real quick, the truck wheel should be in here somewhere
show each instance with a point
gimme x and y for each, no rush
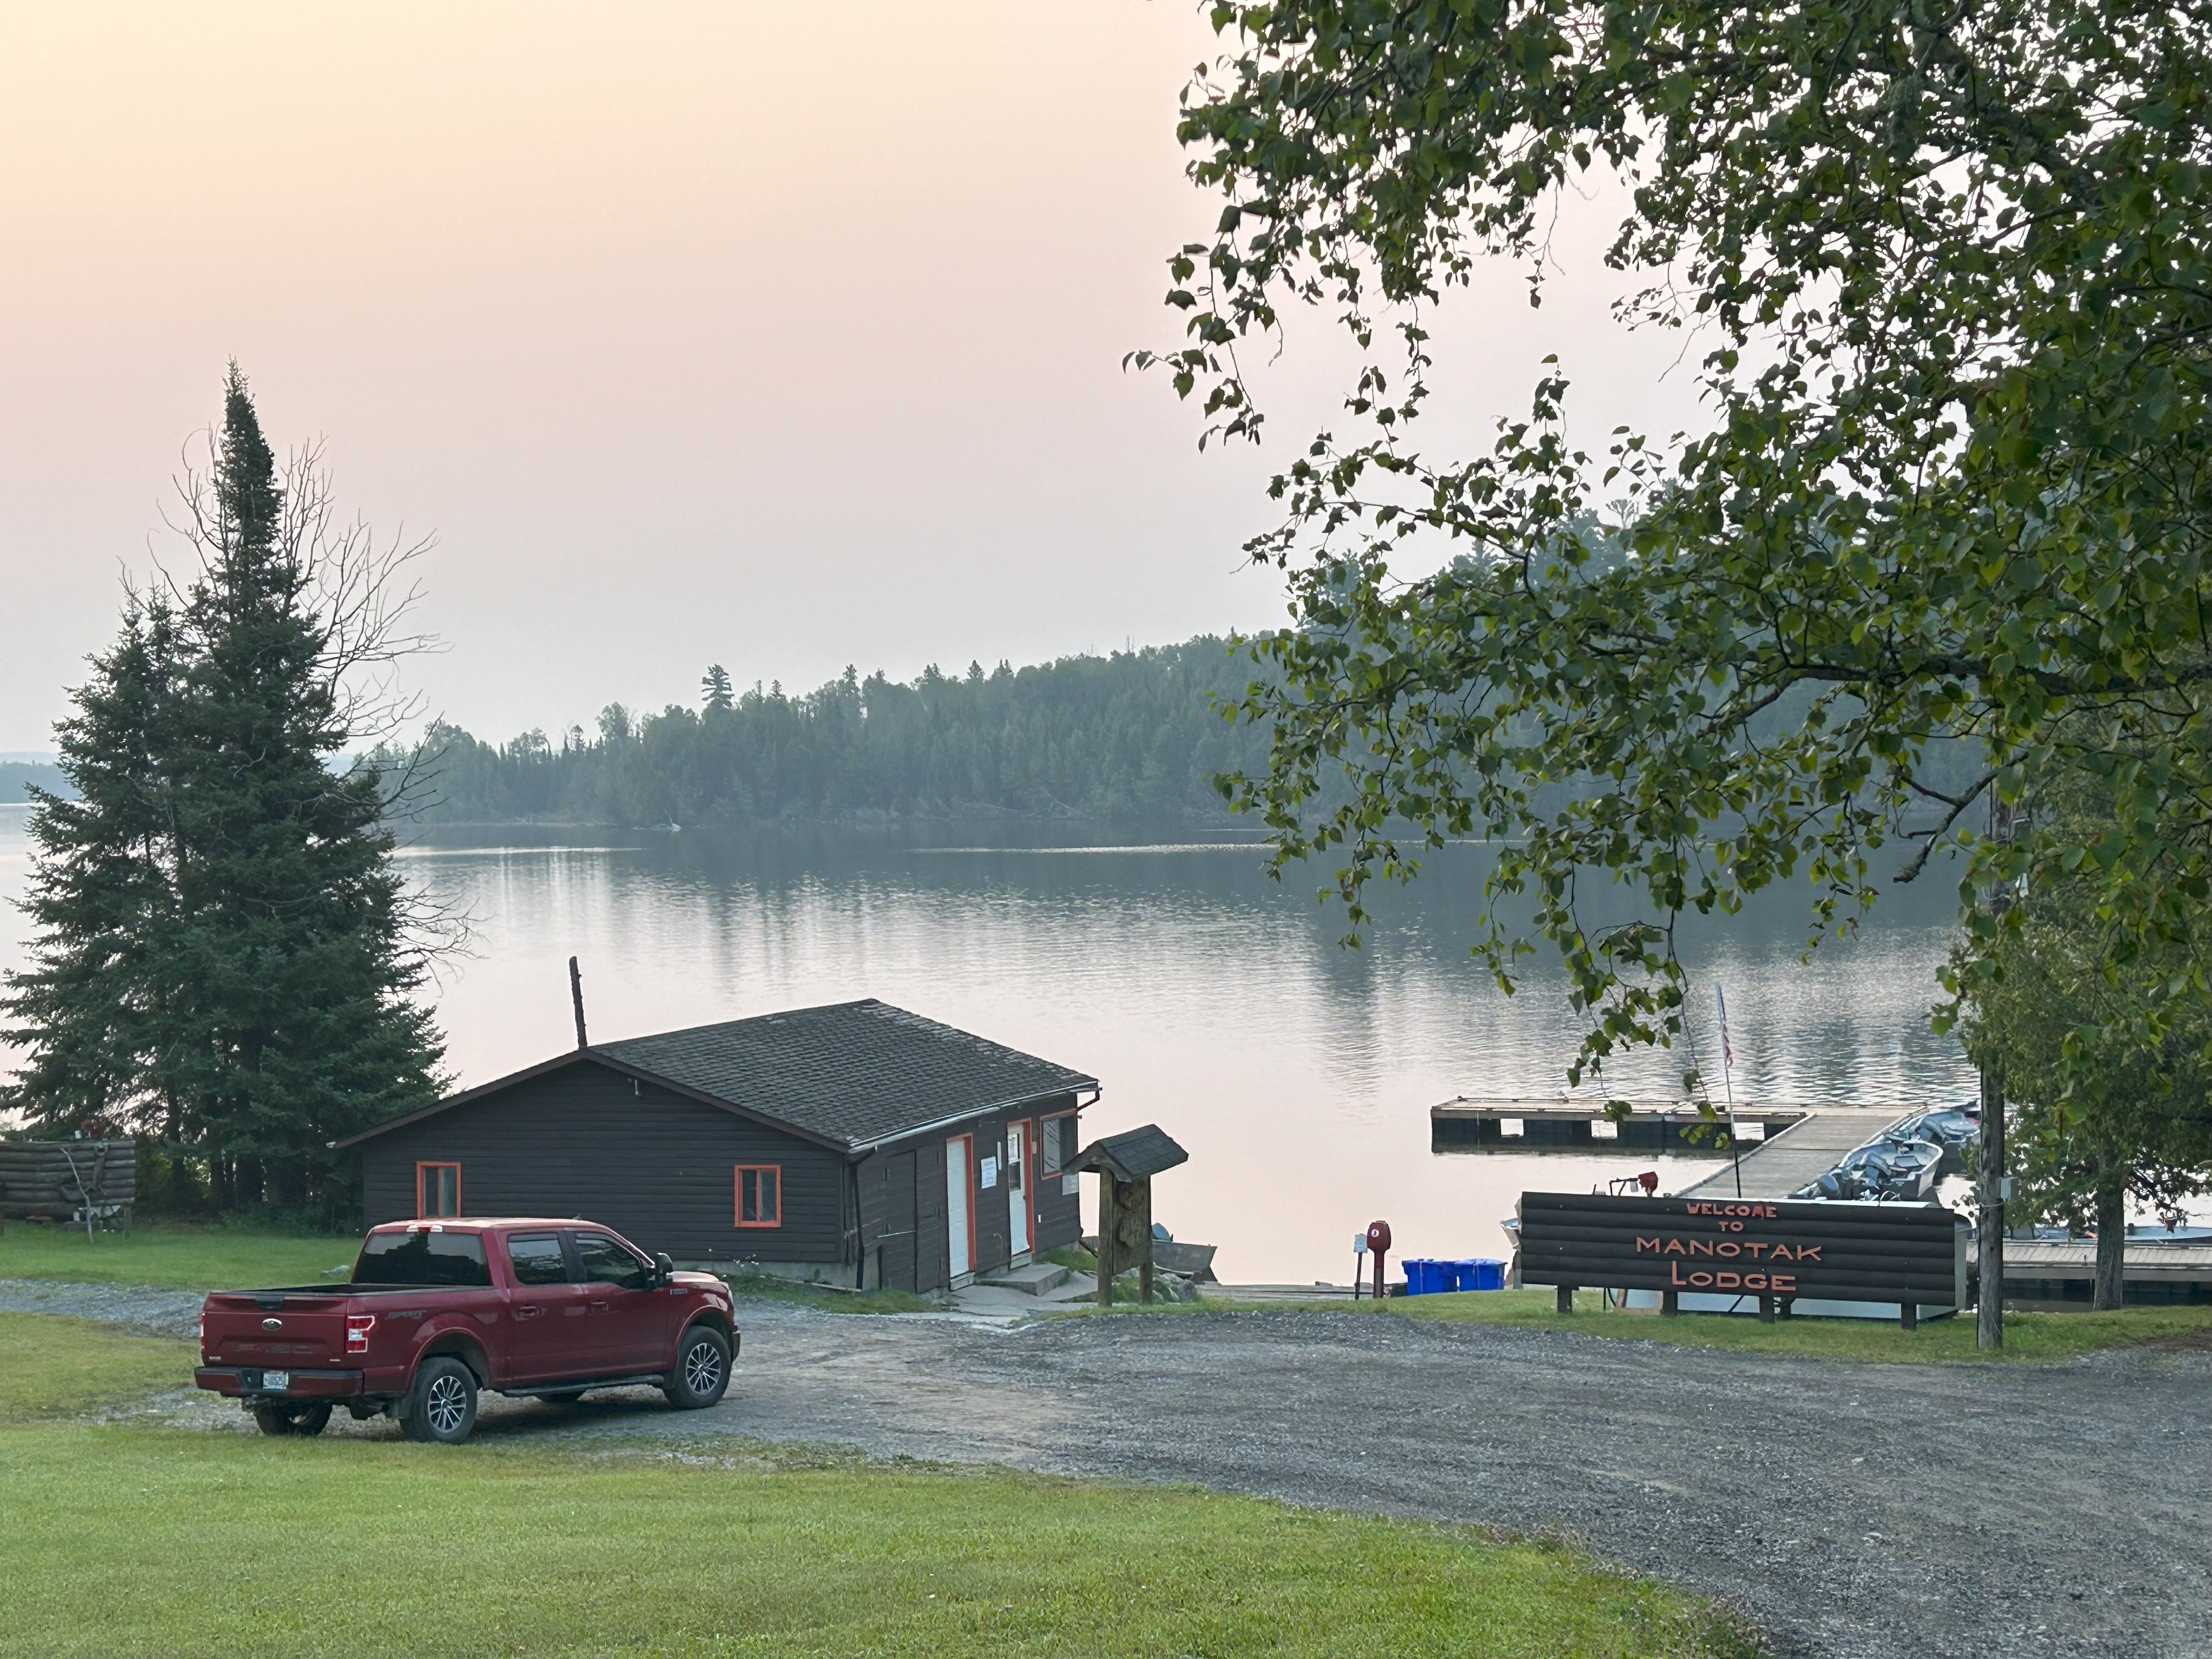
(703, 1369)
(273, 1417)
(442, 1404)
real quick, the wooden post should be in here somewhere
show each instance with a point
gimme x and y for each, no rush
(1766, 1310)
(1989, 1224)
(1137, 1234)
(1109, 1219)
(1566, 1300)
(1788, 1303)
(1908, 1315)
(1670, 1303)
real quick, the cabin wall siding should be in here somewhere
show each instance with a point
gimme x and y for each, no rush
(657, 1167)
(932, 1214)
(1058, 1215)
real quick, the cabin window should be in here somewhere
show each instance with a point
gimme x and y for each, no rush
(1059, 1145)
(437, 1189)
(760, 1196)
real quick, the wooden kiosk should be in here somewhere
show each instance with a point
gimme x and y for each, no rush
(1125, 1165)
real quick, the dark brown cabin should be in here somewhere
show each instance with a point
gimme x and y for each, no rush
(856, 1144)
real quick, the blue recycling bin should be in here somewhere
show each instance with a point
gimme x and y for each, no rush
(1482, 1273)
(1420, 1276)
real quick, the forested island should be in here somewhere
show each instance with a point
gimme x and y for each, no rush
(1135, 732)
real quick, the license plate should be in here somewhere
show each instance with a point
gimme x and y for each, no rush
(276, 1382)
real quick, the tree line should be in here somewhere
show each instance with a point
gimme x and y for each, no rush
(1133, 733)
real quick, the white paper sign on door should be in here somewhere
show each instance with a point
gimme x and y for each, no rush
(990, 1172)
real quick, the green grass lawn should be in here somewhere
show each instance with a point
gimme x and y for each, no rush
(134, 1540)
(53, 1367)
(2029, 1336)
(180, 1258)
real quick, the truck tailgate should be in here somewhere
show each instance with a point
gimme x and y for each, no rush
(281, 1329)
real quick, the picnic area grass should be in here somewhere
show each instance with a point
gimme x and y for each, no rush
(2028, 1336)
(184, 1258)
(226, 1544)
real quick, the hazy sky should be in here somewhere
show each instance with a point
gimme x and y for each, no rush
(781, 336)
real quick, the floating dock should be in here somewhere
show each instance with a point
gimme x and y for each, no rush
(1468, 1124)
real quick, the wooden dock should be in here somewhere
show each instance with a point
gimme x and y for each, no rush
(2060, 1272)
(1804, 1151)
(1506, 1125)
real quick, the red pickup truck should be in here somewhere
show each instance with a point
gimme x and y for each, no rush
(438, 1311)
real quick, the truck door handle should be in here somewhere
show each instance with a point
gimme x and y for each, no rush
(598, 1307)
(528, 1310)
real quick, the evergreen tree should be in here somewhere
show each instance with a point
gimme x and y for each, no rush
(223, 952)
(716, 685)
(89, 1006)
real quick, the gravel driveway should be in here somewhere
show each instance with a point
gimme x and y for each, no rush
(1856, 1509)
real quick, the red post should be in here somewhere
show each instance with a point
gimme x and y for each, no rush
(1378, 1247)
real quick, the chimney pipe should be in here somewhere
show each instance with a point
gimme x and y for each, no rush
(576, 996)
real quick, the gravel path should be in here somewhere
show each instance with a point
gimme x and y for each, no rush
(1856, 1510)
(166, 1313)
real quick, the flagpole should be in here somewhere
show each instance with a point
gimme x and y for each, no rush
(1728, 1082)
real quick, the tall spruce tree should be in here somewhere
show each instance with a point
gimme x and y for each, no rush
(223, 951)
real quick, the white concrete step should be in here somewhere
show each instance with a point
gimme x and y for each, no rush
(1036, 1279)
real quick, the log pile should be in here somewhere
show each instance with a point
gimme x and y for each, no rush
(57, 1179)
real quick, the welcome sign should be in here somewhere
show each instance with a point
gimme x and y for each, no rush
(1893, 1253)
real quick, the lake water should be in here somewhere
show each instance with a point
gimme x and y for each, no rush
(1206, 997)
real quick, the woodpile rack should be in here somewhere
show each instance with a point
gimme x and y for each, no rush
(86, 1182)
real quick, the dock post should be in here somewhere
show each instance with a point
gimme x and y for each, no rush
(1908, 1315)
(1766, 1310)
(1670, 1303)
(1566, 1298)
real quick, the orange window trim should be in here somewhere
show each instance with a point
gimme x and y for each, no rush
(422, 1187)
(738, 1206)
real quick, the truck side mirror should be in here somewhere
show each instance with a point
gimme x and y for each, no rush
(663, 1266)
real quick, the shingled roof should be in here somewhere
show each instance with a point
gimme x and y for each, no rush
(853, 1071)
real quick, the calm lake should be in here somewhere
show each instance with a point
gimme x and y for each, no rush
(1208, 998)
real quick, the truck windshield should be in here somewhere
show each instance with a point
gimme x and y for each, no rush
(419, 1256)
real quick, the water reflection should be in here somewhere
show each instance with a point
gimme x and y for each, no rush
(1208, 997)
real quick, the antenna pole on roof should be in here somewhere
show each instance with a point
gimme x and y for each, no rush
(576, 996)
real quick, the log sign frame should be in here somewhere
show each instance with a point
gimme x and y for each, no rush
(1846, 1252)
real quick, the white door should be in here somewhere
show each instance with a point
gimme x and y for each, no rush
(957, 1227)
(1018, 1188)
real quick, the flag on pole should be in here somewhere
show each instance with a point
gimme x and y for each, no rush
(1727, 1082)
